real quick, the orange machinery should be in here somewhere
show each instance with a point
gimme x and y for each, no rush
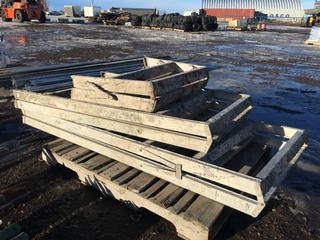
(22, 10)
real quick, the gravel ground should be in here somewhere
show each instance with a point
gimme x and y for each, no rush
(275, 67)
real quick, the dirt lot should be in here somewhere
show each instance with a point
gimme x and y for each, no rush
(275, 67)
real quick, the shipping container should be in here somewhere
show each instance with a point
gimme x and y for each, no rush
(236, 14)
(72, 11)
(91, 11)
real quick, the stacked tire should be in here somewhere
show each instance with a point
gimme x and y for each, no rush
(156, 21)
(146, 20)
(136, 21)
(209, 23)
(177, 21)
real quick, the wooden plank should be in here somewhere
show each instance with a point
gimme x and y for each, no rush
(115, 171)
(111, 113)
(127, 86)
(172, 83)
(151, 72)
(227, 118)
(76, 153)
(85, 157)
(231, 140)
(161, 197)
(162, 156)
(67, 149)
(233, 152)
(99, 96)
(154, 189)
(173, 197)
(204, 210)
(60, 145)
(141, 182)
(96, 162)
(113, 99)
(277, 168)
(102, 168)
(174, 138)
(184, 201)
(190, 107)
(248, 158)
(179, 93)
(56, 144)
(128, 176)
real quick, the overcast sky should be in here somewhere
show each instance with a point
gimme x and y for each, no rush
(168, 5)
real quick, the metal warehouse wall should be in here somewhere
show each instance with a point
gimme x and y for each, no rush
(274, 8)
(231, 13)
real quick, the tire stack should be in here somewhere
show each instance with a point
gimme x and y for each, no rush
(209, 23)
(156, 21)
(169, 20)
(146, 20)
(177, 21)
(197, 23)
(136, 21)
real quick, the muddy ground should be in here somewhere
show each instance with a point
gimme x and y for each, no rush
(275, 67)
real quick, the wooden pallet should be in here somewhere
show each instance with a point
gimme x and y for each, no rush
(159, 84)
(167, 29)
(234, 28)
(197, 123)
(164, 29)
(194, 216)
(155, 28)
(179, 30)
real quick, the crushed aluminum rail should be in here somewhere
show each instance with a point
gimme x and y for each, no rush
(176, 125)
(238, 191)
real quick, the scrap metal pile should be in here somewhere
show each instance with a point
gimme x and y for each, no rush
(52, 78)
(17, 141)
(177, 21)
(158, 139)
(21, 143)
(114, 18)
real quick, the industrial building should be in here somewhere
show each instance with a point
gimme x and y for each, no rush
(275, 9)
(315, 10)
